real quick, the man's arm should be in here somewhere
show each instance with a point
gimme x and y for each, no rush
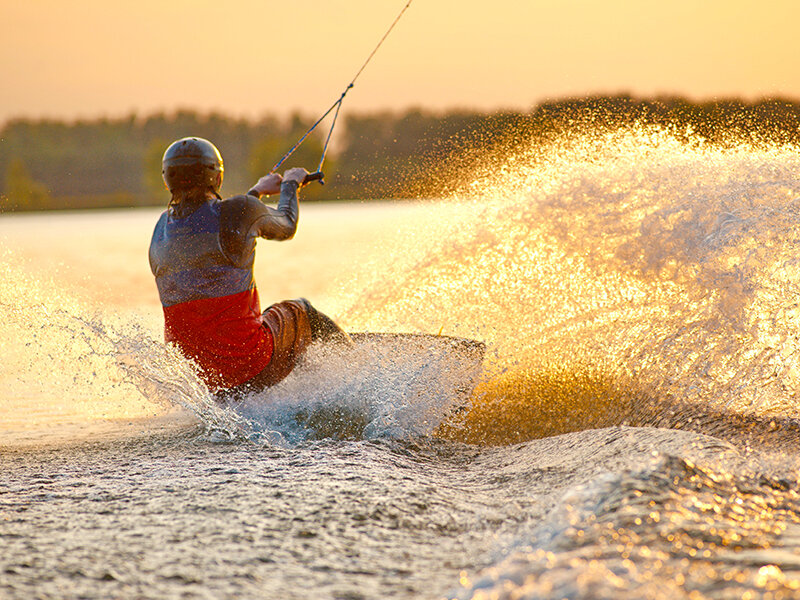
(278, 223)
(244, 218)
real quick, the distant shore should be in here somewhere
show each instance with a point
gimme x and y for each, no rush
(107, 163)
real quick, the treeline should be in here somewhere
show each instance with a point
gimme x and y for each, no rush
(48, 164)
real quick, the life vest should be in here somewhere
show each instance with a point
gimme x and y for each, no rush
(210, 302)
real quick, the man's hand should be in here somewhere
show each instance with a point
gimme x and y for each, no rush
(297, 174)
(268, 184)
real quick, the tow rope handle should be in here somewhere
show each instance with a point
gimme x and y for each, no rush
(316, 176)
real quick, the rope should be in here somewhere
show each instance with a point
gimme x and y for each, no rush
(338, 104)
(330, 133)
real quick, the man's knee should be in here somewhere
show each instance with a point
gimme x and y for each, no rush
(305, 304)
(323, 328)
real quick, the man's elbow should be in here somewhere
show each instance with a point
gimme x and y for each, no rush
(286, 233)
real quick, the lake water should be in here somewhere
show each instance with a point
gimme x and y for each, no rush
(633, 433)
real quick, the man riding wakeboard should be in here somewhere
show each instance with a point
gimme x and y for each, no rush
(202, 254)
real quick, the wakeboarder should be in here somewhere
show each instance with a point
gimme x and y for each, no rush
(202, 254)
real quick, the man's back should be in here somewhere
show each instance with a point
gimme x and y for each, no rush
(203, 265)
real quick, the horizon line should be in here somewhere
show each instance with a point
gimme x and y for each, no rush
(143, 115)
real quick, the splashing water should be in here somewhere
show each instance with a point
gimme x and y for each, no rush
(70, 365)
(68, 369)
(625, 277)
(385, 386)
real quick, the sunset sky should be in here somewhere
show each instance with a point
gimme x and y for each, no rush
(89, 58)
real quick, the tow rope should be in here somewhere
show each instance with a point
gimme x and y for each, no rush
(318, 175)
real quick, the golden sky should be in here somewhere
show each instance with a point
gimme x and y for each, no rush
(88, 58)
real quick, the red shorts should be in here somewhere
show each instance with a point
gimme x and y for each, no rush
(289, 325)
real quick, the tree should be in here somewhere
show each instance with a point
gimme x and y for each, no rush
(22, 192)
(151, 168)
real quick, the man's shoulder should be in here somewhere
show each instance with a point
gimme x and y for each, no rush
(240, 202)
(237, 213)
(162, 219)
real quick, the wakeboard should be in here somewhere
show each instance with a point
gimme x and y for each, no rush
(460, 358)
(437, 372)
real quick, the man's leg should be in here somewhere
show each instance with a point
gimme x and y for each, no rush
(323, 328)
(294, 325)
